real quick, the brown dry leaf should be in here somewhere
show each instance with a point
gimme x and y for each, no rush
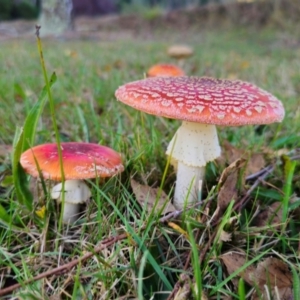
(234, 261)
(256, 161)
(272, 215)
(229, 154)
(182, 289)
(228, 183)
(146, 195)
(276, 276)
(225, 236)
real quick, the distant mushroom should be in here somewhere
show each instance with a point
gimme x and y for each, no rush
(80, 161)
(165, 70)
(201, 103)
(180, 52)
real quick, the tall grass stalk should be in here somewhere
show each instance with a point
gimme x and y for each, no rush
(55, 127)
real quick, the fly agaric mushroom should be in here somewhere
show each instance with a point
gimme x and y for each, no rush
(80, 161)
(165, 70)
(180, 52)
(201, 103)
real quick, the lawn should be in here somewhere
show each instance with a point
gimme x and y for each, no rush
(121, 248)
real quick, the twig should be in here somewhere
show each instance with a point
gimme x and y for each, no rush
(262, 171)
(239, 205)
(64, 268)
(257, 174)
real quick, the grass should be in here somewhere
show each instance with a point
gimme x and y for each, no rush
(154, 257)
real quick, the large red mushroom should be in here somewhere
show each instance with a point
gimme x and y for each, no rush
(201, 103)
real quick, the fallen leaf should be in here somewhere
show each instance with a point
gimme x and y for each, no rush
(225, 236)
(270, 277)
(271, 215)
(179, 229)
(274, 274)
(147, 196)
(255, 161)
(182, 288)
(228, 184)
(234, 261)
(41, 212)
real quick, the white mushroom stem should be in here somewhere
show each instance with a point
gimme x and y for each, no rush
(188, 184)
(76, 192)
(190, 149)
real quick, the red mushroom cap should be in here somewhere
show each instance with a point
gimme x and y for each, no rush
(165, 70)
(203, 100)
(80, 160)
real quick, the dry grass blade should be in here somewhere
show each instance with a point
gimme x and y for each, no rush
(66, 267)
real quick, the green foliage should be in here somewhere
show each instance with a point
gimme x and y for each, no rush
(24, 10)
(241, 289)
(24, 196)
(17, 10)
(24, 139)
(5, 9)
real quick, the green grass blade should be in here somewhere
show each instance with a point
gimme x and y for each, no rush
(141, 274)
(24, 196)
(241, 289)
(24, 138)
(289, 170)
(140, 241)
(296, 284)
(31, 121)
(195, 263)
(4, 216)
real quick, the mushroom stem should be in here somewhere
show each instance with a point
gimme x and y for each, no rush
(71, 211)
(76, 192)
(188, 185)
(190, 149)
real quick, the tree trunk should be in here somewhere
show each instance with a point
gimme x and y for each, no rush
(56, 17)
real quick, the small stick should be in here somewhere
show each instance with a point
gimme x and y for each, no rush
(64, 268)
(240, 204)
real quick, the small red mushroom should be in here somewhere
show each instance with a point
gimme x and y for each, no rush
(80, 161)
(201, 103)
(165, 70)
